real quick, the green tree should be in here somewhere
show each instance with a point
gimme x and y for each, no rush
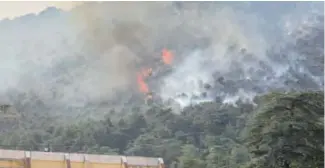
(190, 157)
(288, 129)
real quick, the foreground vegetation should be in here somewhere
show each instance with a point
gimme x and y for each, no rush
(282, 130)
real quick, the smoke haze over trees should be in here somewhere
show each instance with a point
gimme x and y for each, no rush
(216, 103)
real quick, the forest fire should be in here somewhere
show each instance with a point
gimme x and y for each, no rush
(167, 58)
(143, 87)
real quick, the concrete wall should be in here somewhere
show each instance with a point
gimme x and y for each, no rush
(20, 159)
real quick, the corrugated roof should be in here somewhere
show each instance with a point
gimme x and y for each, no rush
(78, 157)
(142, 161)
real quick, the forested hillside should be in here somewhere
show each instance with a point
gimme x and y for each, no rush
(283, 130)
(202, 85)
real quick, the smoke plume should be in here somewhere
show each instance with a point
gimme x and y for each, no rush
(94, 52)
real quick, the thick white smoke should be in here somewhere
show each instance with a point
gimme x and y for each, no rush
(252, 63)
(92, 53)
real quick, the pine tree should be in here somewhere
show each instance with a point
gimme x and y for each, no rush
(288, 128)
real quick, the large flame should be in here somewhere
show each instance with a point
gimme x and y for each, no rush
(167, 56)
(143, 87)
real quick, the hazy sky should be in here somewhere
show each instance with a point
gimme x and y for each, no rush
(9, 9)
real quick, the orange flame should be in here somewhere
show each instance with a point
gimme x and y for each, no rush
(167, 56)
(143, 87)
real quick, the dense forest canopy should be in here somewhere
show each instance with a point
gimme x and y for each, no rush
(219, 94)
(284, 128)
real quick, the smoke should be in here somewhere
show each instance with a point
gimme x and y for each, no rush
(92, 53)
(243, 61)
(143, 29)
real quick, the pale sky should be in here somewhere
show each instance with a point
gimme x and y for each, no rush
(10, 9)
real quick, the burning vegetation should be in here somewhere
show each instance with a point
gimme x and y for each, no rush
(167, 58)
